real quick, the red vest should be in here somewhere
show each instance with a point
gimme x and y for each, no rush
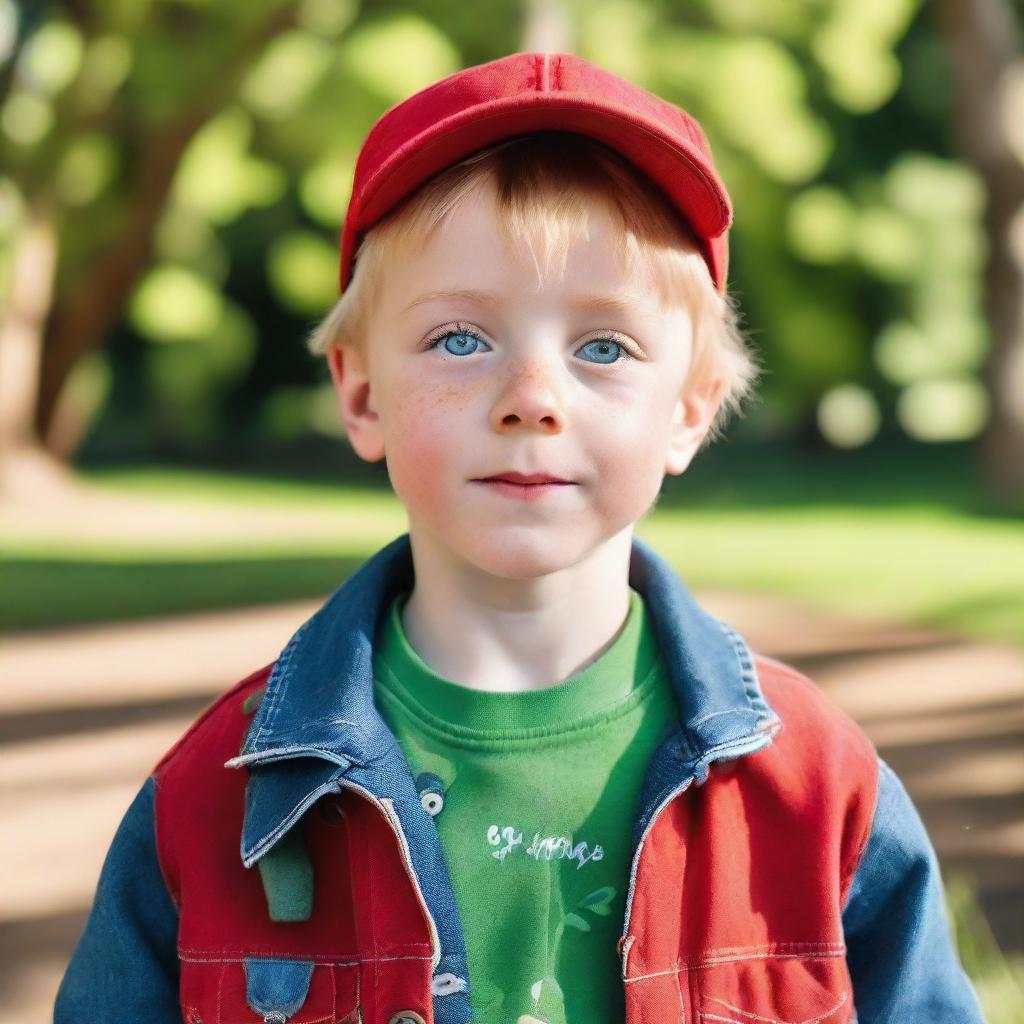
(735, 916)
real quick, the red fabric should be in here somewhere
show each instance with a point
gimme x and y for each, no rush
(526, 92)
(741, 882)
(372, 946)
(736, 914)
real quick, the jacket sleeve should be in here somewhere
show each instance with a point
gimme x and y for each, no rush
(125, 965)
(900, 950)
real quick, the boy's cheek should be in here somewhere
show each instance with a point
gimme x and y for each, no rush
(636, 485)
(422, 458)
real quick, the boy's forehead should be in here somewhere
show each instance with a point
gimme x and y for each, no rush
(612, 303)
(467, 258)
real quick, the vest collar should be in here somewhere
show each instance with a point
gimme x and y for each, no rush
(318, 722)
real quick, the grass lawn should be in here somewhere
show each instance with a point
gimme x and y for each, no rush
(848, 531)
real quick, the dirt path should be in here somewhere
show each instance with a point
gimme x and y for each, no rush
(86, 712)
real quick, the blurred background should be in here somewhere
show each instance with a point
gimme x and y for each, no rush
(176, 493)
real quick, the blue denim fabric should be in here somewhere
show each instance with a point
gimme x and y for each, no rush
(276, 987)
(318, 730)
(125, 966)
(898, 944)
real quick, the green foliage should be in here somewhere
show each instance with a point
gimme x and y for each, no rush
(303, 269)
(400, 55)
(857, 248)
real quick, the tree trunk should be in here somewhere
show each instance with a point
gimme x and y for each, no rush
(83, 314)
(982, 38)
(27, 471)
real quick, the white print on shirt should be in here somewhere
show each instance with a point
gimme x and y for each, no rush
(546, 848)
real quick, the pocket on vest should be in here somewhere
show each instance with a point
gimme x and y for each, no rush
(275, 990)
(786, 986)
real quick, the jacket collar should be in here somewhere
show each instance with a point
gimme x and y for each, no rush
(318, 722)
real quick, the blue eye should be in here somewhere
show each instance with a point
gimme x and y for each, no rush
(460, 347)
(466, 344)
(604, 345)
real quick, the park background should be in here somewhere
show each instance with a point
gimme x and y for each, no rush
(177, 495)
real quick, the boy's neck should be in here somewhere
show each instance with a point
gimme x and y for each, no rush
(499, 634)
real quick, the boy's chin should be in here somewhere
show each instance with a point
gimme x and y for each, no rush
(520, 554)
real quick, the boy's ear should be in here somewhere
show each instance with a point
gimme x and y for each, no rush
(355, 402)
(692, 417)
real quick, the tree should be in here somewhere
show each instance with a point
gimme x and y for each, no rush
(983, 39)
(65, 298)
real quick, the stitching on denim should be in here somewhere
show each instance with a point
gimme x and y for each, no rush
(729, 744)
(715, 714)
(270, 754)
(748, 671)
(772, 1020)
(740, 649)
(682, 1005)
(286, 822)
(276, 694)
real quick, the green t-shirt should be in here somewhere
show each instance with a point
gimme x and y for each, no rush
(534, 796)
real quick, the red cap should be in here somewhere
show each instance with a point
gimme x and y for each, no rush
(528, 92)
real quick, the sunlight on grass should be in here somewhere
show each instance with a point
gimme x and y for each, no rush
(927, 566)
(923, 564)
(998, 979)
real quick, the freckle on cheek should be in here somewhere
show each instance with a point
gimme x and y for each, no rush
(433, 441)
(420, 450)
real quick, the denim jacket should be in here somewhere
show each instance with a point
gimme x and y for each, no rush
(779, 872)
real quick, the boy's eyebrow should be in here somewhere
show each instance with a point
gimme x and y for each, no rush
(596, 302)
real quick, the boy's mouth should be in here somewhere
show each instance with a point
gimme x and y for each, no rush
(524, 479)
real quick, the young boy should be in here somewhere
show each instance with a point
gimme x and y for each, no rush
(511, 771)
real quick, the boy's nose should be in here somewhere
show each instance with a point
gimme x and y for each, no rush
(530, 398)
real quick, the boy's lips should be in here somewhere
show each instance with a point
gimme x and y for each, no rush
(525, 487)
(525, 478)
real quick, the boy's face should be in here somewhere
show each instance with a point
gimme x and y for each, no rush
(529, 379)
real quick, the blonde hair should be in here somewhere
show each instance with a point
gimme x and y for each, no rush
(546, 184)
